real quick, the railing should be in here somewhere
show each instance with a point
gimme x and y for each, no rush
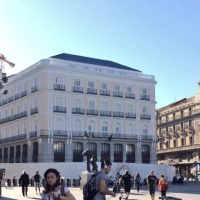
(34, 89)
(78, 110)
(91, 91)
(144, 97)
(105, 113)
(145, 116)
(59, 87)
(17, 96)
(59, 109)
(130, 95)
(34, 110)
(130, 115)
(92, 112)
(23, 93)
(33, 134)
(118, 114)
(77, 89)
(105, 92)
(60, 133)
(13, 138)
(117, 94)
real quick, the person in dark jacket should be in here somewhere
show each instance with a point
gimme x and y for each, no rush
(37, 178)
(24, 181)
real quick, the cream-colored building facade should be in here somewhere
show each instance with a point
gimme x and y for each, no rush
(178, 132)
(56, 108)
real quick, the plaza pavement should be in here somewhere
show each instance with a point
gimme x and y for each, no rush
(190, 190)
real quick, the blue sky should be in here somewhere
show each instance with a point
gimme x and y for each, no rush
(158, 37)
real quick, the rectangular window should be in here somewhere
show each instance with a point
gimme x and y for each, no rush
(144, 91)
(91, 104)
(117, 107)
(104, 105)
(117, 88)
(91, 84)
(77, 83)
(104, 86)
(59, 80)
(129, 89)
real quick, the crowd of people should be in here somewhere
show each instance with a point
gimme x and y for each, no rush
(53, 190)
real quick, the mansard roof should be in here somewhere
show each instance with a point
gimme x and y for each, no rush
(95, 61)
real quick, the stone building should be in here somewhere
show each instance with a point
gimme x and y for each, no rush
(56, 108)
(178, 132)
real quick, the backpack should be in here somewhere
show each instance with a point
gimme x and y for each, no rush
(89, 189)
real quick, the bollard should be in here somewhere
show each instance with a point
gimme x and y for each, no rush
(68, 182)
(62, 181)
(14, 182)
(8, 182)
(32, 182)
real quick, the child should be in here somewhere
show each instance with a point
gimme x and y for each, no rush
(53, 189)
(163, 185)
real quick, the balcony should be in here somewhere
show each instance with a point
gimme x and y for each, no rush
(60, 109)
(13, 138)
(92, 112)
(33, 134)
(59, 87)
(77, 89)
(34, 89)
(145, 97)
(78, 111)
(5, 101)
(10, 99)
(91, 91)
(17, 96)
(16, 116)
(24, 114)
(34, 110)
(145, 116)
(60, 133)
(130, 115)
(23, 93)
(105, 113)
(117, 94)
(130, 95)
(118, 114)
(105, 92)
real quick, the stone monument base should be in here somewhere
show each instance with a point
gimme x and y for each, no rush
(85, 176)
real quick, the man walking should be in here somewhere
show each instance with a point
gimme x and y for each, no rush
(127, 180)
(151, 181)
(102, 181)
(24, 181)
(37, 178)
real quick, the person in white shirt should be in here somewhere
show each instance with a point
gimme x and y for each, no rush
(52, 189)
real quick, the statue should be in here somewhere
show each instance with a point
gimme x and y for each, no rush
(90, 160)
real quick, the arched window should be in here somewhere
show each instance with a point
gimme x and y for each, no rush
(5, 156)
(130, 129)
(35, 152)
(118, 153)
(1, 155)
(59, 151)
(11, 158)
(104, 129)
(77, 152)
(59, 124)
(105, 151)
(24, 153)
(91, 126)
(117, 129)
(18, 154)
(130, 153)
(93, 148)
(145, 154)
(77, 125)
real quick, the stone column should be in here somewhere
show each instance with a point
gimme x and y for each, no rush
(124, 153)
(98, 152)
(138, 152)
(111, 151)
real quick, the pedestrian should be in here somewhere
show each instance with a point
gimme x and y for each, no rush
(24, 181)
(127, 180)
(138, 182)
(151, 181)
(163, 186)
(102, 181)
(37, 179)
(52, 189)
